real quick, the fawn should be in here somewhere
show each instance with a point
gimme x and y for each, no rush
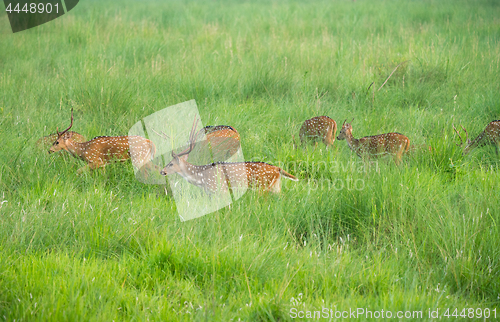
(375, 146)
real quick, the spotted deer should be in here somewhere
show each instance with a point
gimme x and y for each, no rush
(215, 144)
(221, 176)
(319, 128)
(375, 146)
(102, 150)
(490, 136)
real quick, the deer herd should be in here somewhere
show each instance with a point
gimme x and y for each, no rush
(224, 141)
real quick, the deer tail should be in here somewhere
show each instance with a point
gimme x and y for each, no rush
(288, 175)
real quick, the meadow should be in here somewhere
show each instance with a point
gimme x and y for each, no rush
(420, 236)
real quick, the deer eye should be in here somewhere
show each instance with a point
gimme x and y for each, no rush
(57, 142)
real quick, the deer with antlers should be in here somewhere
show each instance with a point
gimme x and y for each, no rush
(490, 136)
(319, 128)
(102, 150)
(375, 146)
(221, 176)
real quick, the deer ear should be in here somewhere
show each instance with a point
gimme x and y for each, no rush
(184, 157)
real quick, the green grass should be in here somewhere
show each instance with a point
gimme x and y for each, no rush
(102, 246)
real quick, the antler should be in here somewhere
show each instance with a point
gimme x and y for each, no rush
(191, 140)
(344, 122)
(57, 129)
(162, 135)
(461, 140)
(466, 135)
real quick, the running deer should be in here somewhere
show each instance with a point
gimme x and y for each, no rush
(215, 144)
(319, 128)
(102, 150)
(220, 176)
(48, 140)
(490, 136)
(375, 146)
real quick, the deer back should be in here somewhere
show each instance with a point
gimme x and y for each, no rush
(388, 143)
(259, 175)
(106, 148)
(319, 128)
(492, 132)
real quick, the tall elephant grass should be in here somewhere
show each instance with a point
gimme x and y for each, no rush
(350, 234)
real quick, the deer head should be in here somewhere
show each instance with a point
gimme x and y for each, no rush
(62, 138)
(346, 128)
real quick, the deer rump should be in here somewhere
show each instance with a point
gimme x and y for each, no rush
(318, 129)
(221, 143)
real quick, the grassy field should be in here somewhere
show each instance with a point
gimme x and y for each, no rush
(103, 246)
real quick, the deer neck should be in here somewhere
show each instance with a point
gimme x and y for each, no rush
(193, 174)
(477, 142)
(76, 149)
(351, 141)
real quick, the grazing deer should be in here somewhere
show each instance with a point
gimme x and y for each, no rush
(48, 140)
(103, 149)
(215, 143)
(490, 136)
(375, 146)
(319, 128)
(219, 176)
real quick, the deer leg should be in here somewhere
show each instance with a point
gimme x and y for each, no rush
(402, 150)
(275, 186)
(92, 166)
(397, 156)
